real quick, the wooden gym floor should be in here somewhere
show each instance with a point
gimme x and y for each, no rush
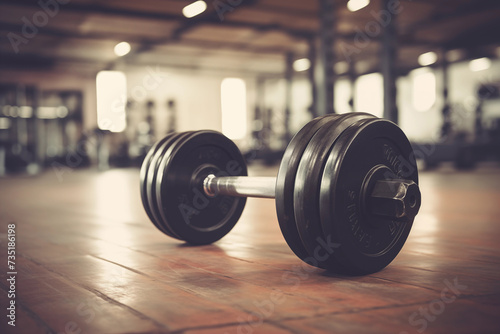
(89, 261)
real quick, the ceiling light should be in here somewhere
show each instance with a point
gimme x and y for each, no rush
(454, 55)
(301, 64)
(341, 67)
(480, 64)
(354, 5)
(194, 9)
(427, 58)
(122, 48)
(362, 66)
(4, 123)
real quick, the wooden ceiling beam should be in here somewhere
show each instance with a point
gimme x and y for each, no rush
(92, 8)
(465, 9)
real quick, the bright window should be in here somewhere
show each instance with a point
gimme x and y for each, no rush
(369, 95)
(234, 108)
(342, 96)
(424, 89)
(111, 100)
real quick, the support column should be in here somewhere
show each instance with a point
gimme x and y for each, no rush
(388, 65)
(446, 127)
(258, 135)
(313, 109)
(39, 154)
(327, 57)
(288, 97)
(352, 81)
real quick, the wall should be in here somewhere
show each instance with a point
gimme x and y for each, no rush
(47, 80)
(462, 93)
(197, 95)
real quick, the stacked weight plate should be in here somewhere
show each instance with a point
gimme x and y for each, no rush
(171, 185)
(322, 190)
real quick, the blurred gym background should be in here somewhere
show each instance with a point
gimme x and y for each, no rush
(96, 83)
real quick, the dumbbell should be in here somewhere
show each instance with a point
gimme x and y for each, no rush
(346, 191)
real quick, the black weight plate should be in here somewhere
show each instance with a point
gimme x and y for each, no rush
(153, 170)
(164, 154)
(143, 175)
(367, 243)
(184, 207)
(285, 183)
(307, 185)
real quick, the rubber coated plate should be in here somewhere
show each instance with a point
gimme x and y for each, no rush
(144, 175)
(307, 185)
(152, 174)
(184, 207)
(367, 243)
(164, 154)
(285, 183)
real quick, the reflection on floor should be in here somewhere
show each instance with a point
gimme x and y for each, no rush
(89, 261)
